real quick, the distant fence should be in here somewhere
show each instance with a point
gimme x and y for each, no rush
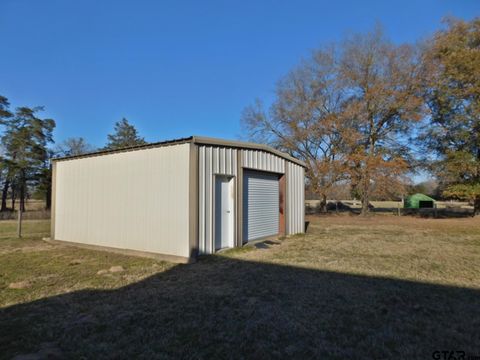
(27, 215)
(449, 212)
(442, 209)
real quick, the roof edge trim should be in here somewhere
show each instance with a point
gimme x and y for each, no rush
(127, 149)
(199, 140)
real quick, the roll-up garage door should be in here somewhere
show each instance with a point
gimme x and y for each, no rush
(260, 205)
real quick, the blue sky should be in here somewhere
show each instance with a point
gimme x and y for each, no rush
(177, 68)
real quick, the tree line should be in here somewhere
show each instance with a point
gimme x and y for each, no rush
(368, 113)
(26, 151)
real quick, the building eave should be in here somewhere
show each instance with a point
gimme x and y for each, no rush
(198, 140)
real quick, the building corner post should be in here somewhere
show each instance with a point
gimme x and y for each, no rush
(53, 201)
(193, 202)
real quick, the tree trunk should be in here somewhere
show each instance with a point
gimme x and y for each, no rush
(22, 198)
(365, 203)
(367, 177)
(48, 198)
(13, 199)
(5, 195)
(323, 203)
(366, 194)
(476, 206)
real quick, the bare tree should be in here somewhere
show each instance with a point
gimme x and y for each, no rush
(346, 111)
(74, 146)
(385, 83)
(304, 120)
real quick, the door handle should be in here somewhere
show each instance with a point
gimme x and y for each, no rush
(228, 211)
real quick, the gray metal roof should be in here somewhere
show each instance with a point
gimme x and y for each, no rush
(201, 140)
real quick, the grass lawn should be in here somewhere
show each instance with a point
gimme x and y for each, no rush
(359, 288)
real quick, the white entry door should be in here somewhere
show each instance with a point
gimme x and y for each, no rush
(224, 212)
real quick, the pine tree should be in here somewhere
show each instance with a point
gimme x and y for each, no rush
(125, 135)
(25, 140)
(5, 115)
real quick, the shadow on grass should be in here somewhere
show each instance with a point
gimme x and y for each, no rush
(227, 308)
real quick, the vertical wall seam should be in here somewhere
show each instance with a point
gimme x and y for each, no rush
(239, 199)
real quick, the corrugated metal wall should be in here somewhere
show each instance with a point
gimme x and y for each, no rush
(295, 198)
(136, 200)
(261, 160)
(223, 160)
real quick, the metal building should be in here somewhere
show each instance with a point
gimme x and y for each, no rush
(177, 199)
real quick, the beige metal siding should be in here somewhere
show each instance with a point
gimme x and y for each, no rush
(223, 160)
(136, 200)
(295, 199)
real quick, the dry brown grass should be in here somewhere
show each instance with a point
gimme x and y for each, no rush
(378, 287)
(441, 251)
(34, 205)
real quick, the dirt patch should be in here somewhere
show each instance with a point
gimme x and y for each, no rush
(25, 249)
(75, 262)
(116, 269)
(20, 285)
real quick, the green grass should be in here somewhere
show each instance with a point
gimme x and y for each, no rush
(380, 287)
(42, 269)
